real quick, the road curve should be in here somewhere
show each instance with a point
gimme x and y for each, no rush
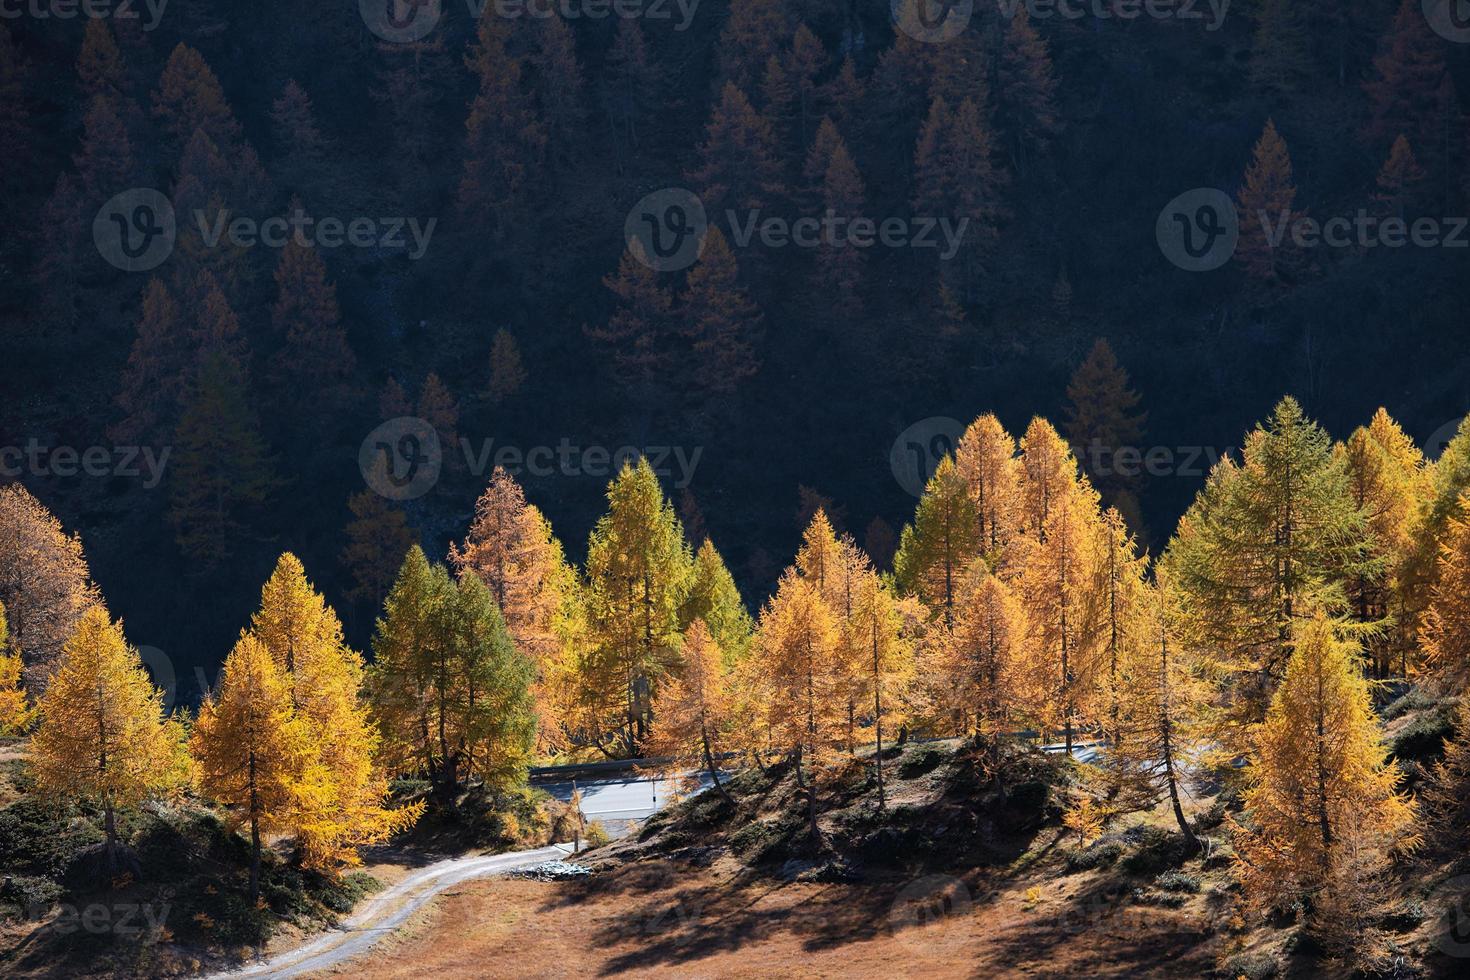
(386, 912)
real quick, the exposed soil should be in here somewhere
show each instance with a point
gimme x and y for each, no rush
(663, 918)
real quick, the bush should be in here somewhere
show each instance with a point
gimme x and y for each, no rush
(920, 762)
(28, 896)
(1177, 881)
(39, 839)
(343, 894)
(1100, 855)
(1253, 966)
(1157, 851)
(762, 841)
(1412, 700)
(1423, 739)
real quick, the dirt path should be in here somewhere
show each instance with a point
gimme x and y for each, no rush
(387, 911)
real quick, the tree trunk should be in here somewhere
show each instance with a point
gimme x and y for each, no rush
(254, 859)
(714, 773)
(109, 824)
(878, 716)
(254, 835)
(1168, 745)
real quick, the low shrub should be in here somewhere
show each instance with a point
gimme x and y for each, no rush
(1157, 850)
(1253, 966)
(1423, 739)
(1177, 881)
(1100, 855)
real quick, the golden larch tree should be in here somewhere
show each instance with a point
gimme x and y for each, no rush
(1048, 468)
(346, 808)
(15, 712)
(1323, 813)
(44, 582)
(986, 459)
(252, 754)
(1265, 210)
(510, 546)
(1447, 621)
(103, 736)
(1390, 484)
(692, 712)
(1159, 731)
(985, 665)
(1059, 584)
(881, 658)
(798, 654)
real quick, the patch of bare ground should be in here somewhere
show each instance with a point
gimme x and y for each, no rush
(667, 918)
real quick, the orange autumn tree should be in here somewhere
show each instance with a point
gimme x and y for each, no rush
(1447, 622)
(1047, 469)
(44, 582)
(1389, 482)
(693, 709)
(1059, 585)
(985, 664)
(103, 736)
(1323, 813)
(879, 656)
(510, 546)
(1160, 728)
(15, 713)
(345, 808)
(252, 754)
(986, 459)
(797, 653)
(1265, 204)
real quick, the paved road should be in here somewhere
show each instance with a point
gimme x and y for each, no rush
(387, 911)
(620, 798)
